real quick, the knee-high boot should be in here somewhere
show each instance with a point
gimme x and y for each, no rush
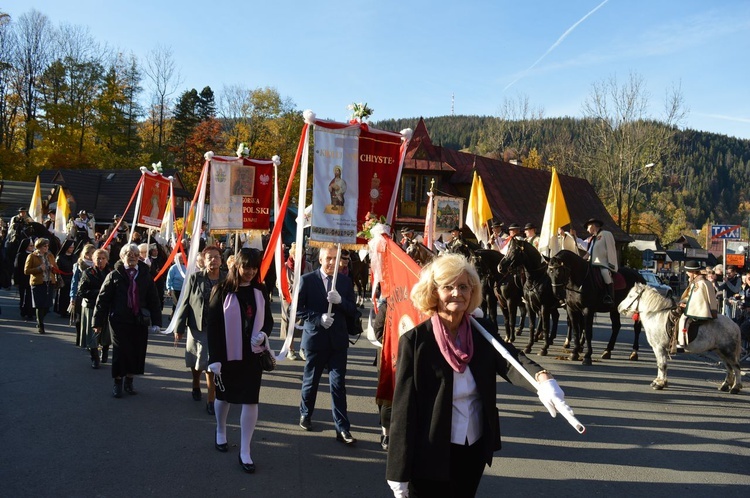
(40, 313)
(105, 354)
(609, 297)
(94, 358)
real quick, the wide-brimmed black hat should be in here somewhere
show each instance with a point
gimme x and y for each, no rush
(407, 230)
(514, 226)
(455, 229)
(529, 226)
(82, 211)
(116, 216)
(22, 209)
(693, 265)
(593, 221)
(497, 224)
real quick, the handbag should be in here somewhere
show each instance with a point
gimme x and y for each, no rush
(144, 317)
(267, 361)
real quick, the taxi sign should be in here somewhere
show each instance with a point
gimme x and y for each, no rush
(725, 231)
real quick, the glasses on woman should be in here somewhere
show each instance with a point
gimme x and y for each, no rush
(461, 288)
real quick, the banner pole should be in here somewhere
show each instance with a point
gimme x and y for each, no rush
(572, 420)
(335, 274)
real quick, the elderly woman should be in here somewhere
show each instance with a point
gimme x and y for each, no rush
(192, 316)
(41, 267)
(239, 321)
(128, 299)
(444, 422)
(88, 290)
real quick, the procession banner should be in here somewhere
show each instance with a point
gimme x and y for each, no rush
(449, 212)
(153, 201)
(241, 194)
(429, 223)
(356, 172)
(400, 274)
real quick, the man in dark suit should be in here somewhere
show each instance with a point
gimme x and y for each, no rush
(325, 339)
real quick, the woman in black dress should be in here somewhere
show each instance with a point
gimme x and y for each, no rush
(240, 319)
(88, 290)
(65, 262)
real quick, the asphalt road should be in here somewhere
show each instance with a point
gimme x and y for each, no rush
(63, 434)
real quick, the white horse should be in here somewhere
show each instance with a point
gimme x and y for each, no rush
(721, 335)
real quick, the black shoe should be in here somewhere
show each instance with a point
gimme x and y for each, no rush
(95, 363)
(305, 423)
(345, 437)
(197, 394)
(117, 389)
(247, 467)
(384, 442)
(221, 447)
(129, 386)
(210, 408)
(105, 354)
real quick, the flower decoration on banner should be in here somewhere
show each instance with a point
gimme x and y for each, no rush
(156, 168)
(242, 150)
(373, 226)
(360, 112)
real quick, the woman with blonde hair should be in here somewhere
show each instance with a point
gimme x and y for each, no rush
(84, 262)
(42, 268)
(444, 423)
(88, 290)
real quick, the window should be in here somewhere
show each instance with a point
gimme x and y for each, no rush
(414, 197)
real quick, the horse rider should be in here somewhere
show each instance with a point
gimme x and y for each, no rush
(18, 223)
(457, 239)
(531, 237)
(514, 231)
(568, 240)
(407, 237)
(122, 230)
(602, 254)
(81, 228)
(49, 221)
(498, 235)
(698, 302)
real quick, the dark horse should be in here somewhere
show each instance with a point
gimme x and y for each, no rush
(537, 290)
(574, 281)
(504, 288)
(419, 253)
(30, 231)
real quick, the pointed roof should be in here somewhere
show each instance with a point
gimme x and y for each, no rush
(515, 193)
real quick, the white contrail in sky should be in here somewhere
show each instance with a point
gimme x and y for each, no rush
(555, 45)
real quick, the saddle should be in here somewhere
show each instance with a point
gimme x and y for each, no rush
(673, 325)
(617, 279)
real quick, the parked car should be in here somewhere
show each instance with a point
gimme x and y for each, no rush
(654, 281)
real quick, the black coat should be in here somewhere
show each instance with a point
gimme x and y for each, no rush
(91, 282)
(420, 431)
(112, 301)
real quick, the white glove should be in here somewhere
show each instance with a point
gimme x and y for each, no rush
(154, 329)
(215, 368)
(552, 397)
(334, 297)
(478, 313)
(326, 320)
(258, 339)
(400, 489)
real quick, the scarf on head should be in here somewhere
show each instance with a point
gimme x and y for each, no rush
(458, 354)
(233, 322)
(133, 303)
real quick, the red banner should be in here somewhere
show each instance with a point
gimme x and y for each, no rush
(400, 274)
(356, 172)
(153, 200)
(241, 194)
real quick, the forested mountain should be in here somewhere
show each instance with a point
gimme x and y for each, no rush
(705, 177)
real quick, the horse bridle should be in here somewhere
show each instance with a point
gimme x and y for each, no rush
(636, 301)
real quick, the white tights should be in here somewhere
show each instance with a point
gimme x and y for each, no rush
(248, 419)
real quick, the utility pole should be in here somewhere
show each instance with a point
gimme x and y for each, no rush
(453, 103)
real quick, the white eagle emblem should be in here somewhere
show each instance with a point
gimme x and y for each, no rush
(264, 179)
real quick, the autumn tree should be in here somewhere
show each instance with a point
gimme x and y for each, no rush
(623, 144)
(165, 79)
(512, 134)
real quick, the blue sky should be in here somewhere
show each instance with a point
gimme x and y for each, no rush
(407, 59)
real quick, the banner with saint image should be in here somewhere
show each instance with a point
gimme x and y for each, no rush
(153, 200)
(356, 172)
(241, 194)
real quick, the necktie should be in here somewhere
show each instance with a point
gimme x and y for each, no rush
(328, 283)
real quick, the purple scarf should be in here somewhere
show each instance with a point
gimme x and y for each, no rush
(457, 355)
(133, 303)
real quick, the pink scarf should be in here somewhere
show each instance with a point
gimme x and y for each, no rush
(458, 354)
(233, 323)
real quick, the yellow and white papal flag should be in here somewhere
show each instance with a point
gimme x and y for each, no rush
(35, 207)
(555, 216)
(478, 212)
